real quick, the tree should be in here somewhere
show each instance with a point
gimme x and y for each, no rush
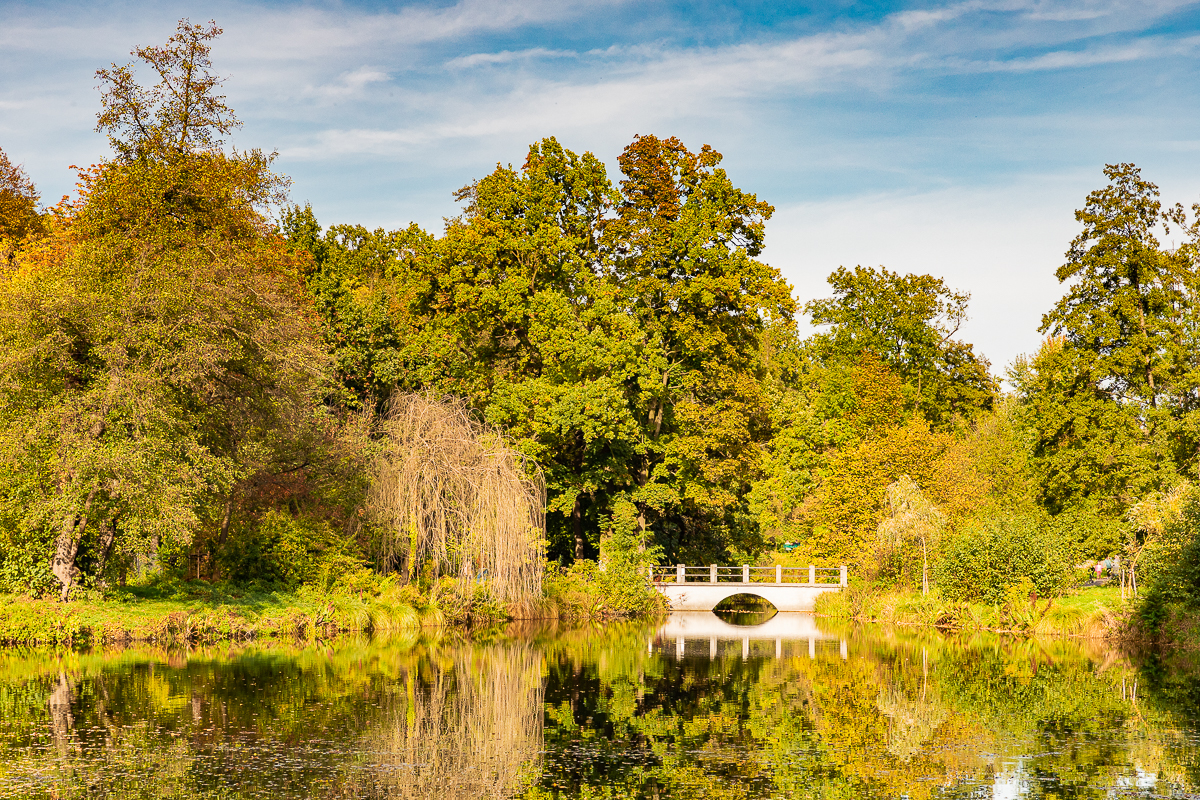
(521, 318)
(452, 493)
(684, 244)
(910, 322)
(18, 204)
(613, 332)
(363, 288)
(180, 113)
(155, 343)
(1122, 307)
(910, 516)
(1086, 449)
(818, 409)
(1111, 396)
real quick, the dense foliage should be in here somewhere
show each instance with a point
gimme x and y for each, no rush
(196, 378)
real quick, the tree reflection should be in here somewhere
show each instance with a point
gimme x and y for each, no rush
(471, 729)
(596, 712)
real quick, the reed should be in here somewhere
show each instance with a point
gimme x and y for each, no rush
(451, 493)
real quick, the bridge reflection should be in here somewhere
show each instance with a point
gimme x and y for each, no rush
(788, 631)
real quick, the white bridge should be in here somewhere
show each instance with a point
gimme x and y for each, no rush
(786, 588)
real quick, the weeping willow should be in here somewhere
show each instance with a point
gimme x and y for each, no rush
(910, 516)
(448, 491)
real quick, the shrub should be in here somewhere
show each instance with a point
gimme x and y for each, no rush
(993, 552)
(1168, 566)
(282, 550)
(24, 565)
(584, 591)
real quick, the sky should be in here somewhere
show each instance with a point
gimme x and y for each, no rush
(948, 138)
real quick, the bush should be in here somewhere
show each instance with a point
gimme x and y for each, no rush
(994, 552)
(583, 591)
(282, 550)
(1169, 567)
(25, 562)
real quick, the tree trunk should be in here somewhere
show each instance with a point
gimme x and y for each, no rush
(924, 568)
(214, 570)
(577, 525)
(108, 535)
(66, 547)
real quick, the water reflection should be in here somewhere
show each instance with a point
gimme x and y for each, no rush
(689, 707)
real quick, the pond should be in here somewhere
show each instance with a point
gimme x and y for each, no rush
(693, 706)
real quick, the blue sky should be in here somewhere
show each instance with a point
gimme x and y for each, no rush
(950, 138)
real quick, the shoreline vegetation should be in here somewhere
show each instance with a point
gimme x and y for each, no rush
(1089, 613)
(221, 419)
(172, 611)
(197, 613)
(1097, 613)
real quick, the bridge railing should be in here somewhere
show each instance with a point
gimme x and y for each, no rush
(714, 573)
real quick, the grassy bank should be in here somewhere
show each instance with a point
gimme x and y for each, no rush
(210, 613)
(1097, 612)
(168, 610)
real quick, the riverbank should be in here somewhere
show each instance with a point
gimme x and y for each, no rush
(168, 610)
(202, 613)
(1094, 612)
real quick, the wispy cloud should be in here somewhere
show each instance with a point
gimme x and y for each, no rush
(507, 57)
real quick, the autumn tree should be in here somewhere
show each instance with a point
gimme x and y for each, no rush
(180, 113)
(158, 342)
(19, 215)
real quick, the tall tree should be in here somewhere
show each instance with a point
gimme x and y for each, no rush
(685, 242)
(179, 113)
(154, 342)
(910, 321)
(1109, 396)
(1122, 306)
(527, 324)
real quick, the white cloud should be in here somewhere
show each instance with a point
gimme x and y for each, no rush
(507, 57)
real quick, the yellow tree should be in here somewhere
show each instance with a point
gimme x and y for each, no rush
(18, 206)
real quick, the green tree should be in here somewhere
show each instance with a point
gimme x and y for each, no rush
(363, 288)
(157, 344)
(685, 241)
(523, 320)
(1110, 398)
(614, 332)
(910, 516)
(1122, 307)
(910, 322)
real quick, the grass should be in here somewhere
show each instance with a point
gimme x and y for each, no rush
(200, 612)
(1094, 612)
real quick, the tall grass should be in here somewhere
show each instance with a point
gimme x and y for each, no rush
(1085, 615)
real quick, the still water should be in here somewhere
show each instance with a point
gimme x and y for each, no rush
(690, 707)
